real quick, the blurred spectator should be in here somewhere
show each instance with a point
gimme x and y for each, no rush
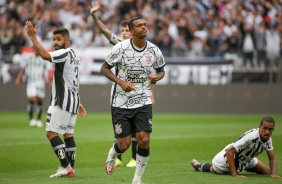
(260, 44)
(165, 40)
(234, 48)
(179, 47)
(248, 45)
(222, 41)
(18, 41)
(6, 37)
(273, 48)
(97, 40)
(172, 25)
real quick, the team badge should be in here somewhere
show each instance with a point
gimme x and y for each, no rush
(254, 148)
(118, 129)
(139, 62)
(73, 155)
(61, 154)
(148, 59)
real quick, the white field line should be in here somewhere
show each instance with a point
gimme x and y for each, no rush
(109, 138)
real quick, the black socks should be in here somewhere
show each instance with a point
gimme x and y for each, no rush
(59, 149)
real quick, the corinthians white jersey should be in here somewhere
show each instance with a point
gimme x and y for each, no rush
(249, 145)
(65, 90)
(134, 66)
(36, 69)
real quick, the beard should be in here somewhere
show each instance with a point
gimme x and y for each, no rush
(59, 46)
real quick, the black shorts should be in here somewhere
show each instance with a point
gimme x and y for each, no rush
(128, 121)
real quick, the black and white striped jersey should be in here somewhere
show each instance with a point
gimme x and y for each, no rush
(133, 65)
(249, 145)
(65, 90)
(35, 68)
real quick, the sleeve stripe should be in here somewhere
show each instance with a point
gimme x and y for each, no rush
(61, 56)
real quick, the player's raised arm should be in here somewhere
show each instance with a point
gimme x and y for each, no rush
(272, 164)
(31, 31)
(106, 32)
(230, 158)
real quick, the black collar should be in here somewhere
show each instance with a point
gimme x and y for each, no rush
(131, 42)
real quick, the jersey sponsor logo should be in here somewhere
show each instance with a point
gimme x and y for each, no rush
(139, 62)
(61, 153)
(138, 100)
(134, 76)
(62, 127)
(118, 129)
(70, 127)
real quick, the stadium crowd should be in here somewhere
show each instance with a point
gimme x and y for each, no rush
(242, 30)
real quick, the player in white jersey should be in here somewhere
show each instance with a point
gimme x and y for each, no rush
(114, 40)
(241, 154)
(131, 102)
(36, 69)
(65, 102)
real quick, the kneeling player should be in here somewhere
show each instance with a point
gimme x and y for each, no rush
(242, 153)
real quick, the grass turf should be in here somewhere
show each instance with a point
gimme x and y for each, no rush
(27, 156)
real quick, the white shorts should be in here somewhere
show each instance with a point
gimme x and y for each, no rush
(60, 121)
(221, 166)
(35, 90)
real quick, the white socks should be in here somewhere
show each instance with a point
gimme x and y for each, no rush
(141, 163)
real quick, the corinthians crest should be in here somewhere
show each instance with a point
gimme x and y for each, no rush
(148, 59)
(118, 129)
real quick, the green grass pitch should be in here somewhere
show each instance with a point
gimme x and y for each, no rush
(26, 156)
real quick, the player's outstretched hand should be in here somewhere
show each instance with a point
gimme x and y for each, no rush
(31, 31)
(126, 86)
(81, 111)
(153, 78)
(275, 176)
(95, 8)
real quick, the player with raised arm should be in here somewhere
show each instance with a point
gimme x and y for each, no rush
(65, 101)
(241, 154)
(114, 40)
(131, 103)
(35, 69)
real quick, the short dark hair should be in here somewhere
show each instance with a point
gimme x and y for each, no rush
(124, 24)
(267, 119)
(63, 31)
(130, 23)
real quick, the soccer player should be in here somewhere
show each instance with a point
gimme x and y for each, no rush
(242, 153)
(131, 103)
(65, 101)
(35, 68)
(114, 40)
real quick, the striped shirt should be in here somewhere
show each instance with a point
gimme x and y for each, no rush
(36, 69)
(249, 146)
(65, 90)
